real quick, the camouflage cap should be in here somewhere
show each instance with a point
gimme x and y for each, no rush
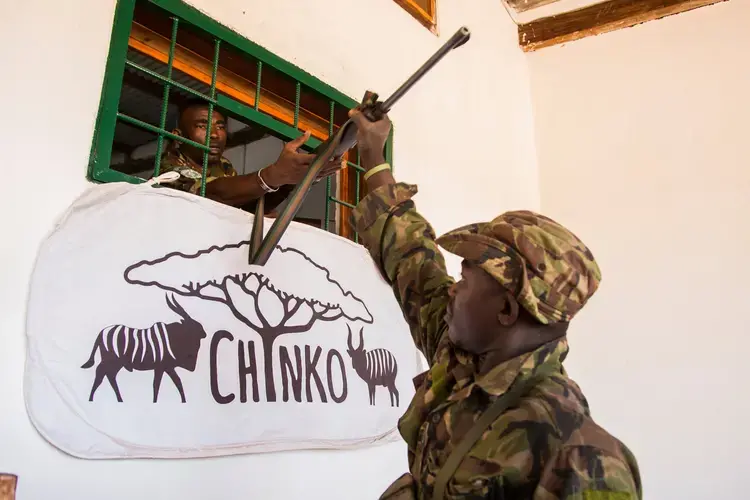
(552, 271)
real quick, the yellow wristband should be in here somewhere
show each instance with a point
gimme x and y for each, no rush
(375, 170)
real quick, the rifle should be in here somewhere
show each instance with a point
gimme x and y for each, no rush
(335, 147)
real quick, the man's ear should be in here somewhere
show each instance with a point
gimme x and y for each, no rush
(509, 313)
(176, 144)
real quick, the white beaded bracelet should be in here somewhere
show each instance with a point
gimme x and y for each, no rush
(263, 184)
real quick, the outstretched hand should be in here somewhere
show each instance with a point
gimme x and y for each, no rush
(371, 136)
(371, 139)
(292, 165)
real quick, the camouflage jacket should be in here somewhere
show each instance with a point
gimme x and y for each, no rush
(547, 448)
(190, 179)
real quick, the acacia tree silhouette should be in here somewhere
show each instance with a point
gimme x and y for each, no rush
(258, 296)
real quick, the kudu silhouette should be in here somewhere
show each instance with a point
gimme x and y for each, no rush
(375, 367)
(162, 347)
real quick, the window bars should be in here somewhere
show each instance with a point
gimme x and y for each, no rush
(247, 106)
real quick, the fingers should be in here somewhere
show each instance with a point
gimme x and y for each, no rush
(356, 114)
(333, 167)
(357, 117)
(329, 169)
(303, 158)
(297, 143)
(326, 173)
(336, 164)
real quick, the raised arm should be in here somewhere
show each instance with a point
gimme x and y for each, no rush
(283, 175)
(276, 181)
(230, 188)
(401, 242)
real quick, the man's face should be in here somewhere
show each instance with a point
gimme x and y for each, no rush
(193, 125)
(476, 302)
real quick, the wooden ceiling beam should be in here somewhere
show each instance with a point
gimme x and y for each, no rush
(601, 18)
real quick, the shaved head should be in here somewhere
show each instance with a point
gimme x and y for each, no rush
(193, 123)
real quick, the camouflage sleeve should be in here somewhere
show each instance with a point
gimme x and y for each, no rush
(588, 473)
(402, 243)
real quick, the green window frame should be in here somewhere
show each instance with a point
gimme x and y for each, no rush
(181, 14)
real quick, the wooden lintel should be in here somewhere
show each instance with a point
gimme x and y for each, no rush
(150, 43)
(601, 18)
(427, 17)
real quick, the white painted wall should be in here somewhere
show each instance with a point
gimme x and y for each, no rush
(465, 136)
(642, 141)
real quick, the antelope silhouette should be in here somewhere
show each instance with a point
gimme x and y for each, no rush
(162, 347)
(375, 367)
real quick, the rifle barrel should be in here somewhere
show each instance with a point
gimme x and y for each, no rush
(335, 146)
(459, 38)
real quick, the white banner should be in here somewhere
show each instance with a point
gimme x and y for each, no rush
(150, 335)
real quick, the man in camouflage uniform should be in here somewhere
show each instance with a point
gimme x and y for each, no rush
(495, 341)
(223, 184)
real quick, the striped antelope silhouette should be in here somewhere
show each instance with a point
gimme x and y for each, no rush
(162, 347)
(375, 367)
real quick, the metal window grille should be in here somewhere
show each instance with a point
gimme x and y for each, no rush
(253, 103)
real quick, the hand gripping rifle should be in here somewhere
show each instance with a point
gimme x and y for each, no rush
(335, 147)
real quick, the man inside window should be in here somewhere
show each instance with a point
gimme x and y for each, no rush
(223, 184)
